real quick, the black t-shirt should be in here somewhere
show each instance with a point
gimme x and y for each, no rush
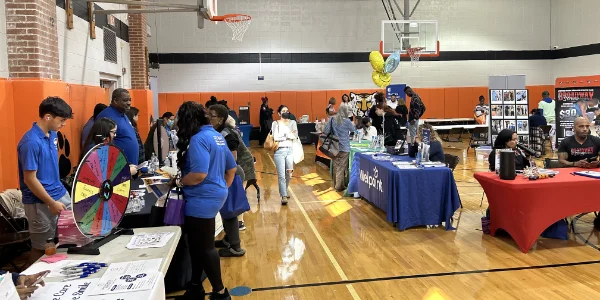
(577, 151)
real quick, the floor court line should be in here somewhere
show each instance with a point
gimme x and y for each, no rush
(426, 275)
(328, 252)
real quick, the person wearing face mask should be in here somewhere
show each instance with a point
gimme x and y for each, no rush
(169, 122)
(284, 131)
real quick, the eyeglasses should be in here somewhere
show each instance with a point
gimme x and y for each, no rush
(113, 132)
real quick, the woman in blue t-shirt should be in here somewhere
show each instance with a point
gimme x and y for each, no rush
(207, 170)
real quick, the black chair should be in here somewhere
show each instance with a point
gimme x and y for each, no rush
(479, 137)
(14, 238)
(452, 161)
(547, 137)
(552, 163)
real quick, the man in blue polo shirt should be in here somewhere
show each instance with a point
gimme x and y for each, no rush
(44, 196)
(126, 138)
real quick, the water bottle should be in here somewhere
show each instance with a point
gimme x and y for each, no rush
(419, 151)
(153, 163)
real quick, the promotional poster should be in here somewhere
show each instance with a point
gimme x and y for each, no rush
(570, 104)
(509, 110)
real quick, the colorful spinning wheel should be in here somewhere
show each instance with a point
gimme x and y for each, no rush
(101, 190)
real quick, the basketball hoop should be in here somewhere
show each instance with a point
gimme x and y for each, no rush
(415, 54)
(237, 22)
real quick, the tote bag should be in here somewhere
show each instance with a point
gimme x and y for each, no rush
(270, 143)
(174, 208)
(298, 151)
(236, 202)
(330, 143)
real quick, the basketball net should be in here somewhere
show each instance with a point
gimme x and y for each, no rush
(238, 24)
(415, 54)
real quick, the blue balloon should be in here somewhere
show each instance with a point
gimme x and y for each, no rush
(392, 62)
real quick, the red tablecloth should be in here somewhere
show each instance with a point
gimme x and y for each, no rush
(525, 208)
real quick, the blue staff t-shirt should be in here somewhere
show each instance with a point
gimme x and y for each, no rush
(207, 153)
(126, 138)
(38, 152)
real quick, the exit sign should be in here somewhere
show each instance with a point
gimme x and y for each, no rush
(261, 77)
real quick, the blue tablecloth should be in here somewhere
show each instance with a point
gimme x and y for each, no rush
(246, 130)
(410, 197)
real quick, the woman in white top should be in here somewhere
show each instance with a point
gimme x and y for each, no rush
(369, 131)
(285, 132)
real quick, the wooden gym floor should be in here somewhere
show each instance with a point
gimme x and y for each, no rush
(324, 246)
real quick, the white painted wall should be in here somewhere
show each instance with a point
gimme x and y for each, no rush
(3, 52)
(349, 26)
(82, 58)
(574, 23)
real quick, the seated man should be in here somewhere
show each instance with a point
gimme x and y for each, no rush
(574, 151)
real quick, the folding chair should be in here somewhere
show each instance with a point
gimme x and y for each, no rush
(478, 137)
(14, 238)
(547, 137)
(452, 161)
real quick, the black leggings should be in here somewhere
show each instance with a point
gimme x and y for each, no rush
(201, 237)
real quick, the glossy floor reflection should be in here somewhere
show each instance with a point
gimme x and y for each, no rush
(325, 246)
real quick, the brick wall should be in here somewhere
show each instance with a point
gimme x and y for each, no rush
(137, 47)
(31, 39)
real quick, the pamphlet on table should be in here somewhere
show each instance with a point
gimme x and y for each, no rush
(150, 240)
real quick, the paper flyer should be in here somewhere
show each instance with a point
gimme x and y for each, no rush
(149, 240)
(7, 288)
(126, 283)
(70, 290)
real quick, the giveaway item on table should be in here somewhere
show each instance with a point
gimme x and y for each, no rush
(80, 271)
(54, 258)
(383, 157)
(54, 268)
(136, 201)
(433, 164)
(534, 173)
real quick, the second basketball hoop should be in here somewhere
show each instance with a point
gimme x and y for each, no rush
(238, 23)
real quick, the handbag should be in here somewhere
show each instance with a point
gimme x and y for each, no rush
(330, 143)
(297, 151)
(270, 143)
(174, 208)
(236, 202)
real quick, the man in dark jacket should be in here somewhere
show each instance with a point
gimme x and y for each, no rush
(537, 118)
(416, 111)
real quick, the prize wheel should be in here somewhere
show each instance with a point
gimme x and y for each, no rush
(101, 190)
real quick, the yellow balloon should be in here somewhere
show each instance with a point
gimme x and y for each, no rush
(381, 79)
(377, 61)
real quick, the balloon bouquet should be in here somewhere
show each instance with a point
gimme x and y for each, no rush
(382, 70)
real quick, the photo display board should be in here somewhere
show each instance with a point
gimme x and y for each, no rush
(509, 109)
(570, 104)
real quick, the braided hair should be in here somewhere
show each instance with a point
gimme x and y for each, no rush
(191, 116)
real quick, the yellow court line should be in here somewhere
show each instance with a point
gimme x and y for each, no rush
(336, 265)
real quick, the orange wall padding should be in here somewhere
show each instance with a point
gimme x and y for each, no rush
(19, 102)
(441, 103)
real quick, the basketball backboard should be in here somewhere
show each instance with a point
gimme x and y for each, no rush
(208, 10)
(399, 35)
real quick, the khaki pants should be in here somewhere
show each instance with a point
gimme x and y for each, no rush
(340, 169)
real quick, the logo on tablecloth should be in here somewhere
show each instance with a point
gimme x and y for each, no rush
(372, 181)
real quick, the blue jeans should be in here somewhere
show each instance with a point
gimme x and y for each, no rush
(412, 129)
(284, 162)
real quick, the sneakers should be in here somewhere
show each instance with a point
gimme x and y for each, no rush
(284, 200)
(231, 252)
(241, 225)
(222, 244)
(217, 296)
(194, 292)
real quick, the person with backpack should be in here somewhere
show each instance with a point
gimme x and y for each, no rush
(416, 111)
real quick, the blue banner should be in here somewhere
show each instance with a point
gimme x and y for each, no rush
(395, 89)
(372, 183)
